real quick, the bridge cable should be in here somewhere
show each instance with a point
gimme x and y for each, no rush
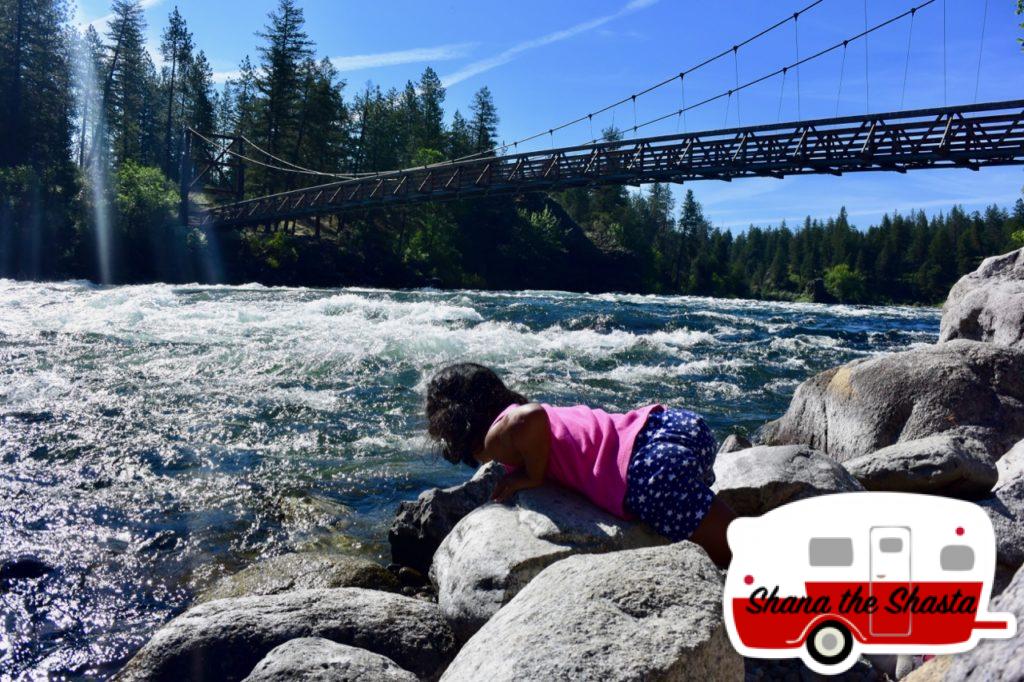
(906, 66)
(944, 72)
(227, 150)
(842, 72)
(611, 107)
(981, 49)
(867, 79)
(796, 36)
(736, 70)
(782, 92)
(779, 71)
(682, 107)
(296, 166)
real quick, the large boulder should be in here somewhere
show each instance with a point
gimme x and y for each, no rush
(996, 659)
(1006, 509)
(314, 659)
(761, 478)
(647, 614)
(421, 525)
(302, 571)
(949, 463)
(225, 639)
(849, 411)
(988, 304)
(497, 549)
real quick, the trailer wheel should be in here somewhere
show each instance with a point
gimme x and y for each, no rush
(830, 643)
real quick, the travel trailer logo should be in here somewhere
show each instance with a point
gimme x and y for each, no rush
(833, 577)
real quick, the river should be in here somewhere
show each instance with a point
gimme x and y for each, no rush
(155, 437)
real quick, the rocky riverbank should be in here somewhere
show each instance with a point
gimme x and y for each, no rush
(552, 588)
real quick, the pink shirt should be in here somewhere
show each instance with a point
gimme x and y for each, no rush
(590, 451)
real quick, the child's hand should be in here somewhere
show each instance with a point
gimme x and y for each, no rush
(510, 485)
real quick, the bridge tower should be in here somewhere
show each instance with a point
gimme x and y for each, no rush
(214, 168)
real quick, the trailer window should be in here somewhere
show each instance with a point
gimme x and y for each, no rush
(956, 558)
(831, 552)
(891, 545)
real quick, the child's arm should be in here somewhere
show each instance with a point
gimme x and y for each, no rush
(522, 439)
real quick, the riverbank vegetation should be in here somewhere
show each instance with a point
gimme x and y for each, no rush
(90, 160)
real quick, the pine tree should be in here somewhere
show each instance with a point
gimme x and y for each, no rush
(129, 70)
(431, 133)
(286, 48)
(484, 124)
(176, 50)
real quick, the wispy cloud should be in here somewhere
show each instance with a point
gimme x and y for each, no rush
(483, 65)
(414, 56)
(100, 23)
(357, 62)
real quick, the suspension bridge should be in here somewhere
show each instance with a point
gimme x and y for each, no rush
(972, 136)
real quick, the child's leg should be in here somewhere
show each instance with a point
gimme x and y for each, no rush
(710, 534)
(668, 483)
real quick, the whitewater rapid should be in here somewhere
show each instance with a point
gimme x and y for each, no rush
(154, 437)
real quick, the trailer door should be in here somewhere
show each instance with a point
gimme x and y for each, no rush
(890, 569)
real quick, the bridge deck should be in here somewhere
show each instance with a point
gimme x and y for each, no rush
(970, 136)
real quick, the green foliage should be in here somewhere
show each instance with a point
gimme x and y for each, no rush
(277, 251)
(144, 198)
(845, 283)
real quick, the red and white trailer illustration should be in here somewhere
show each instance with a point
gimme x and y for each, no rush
(832, 577)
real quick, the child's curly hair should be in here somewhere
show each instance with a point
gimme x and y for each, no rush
(463, 401)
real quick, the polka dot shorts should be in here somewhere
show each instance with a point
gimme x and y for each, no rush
(669, 476)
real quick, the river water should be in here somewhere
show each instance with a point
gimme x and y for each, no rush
(155, 437)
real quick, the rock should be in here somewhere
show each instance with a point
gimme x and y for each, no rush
(225, 639)
(1006, 509)
(988, 304)
(948, 464)
(23, 568)
(314, 659)
(761, 478)
(1011, 464)
(420, 526)
(816, 292)
(497, 549)
(733, 443)
(871, 403)
(934, 670)
(647, 614)
(996, 659)
(302, 571)
(771, 670)
(410, 576)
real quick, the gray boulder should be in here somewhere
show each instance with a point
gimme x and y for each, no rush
(497, 549)
(761, 478)
(1006, 509)
(996, 659)
(421, 525)
(733, 443)
(871, 403)
(302, 571)
(988, 304)
(225, 639)
(647, 614)
(1011, 464)
(950, 464)
(314, 659)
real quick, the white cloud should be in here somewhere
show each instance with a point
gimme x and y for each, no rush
(416, 55)
(100, 23)
(478, 67)
(356, 62)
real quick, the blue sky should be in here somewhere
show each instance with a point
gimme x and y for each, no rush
(550, 61)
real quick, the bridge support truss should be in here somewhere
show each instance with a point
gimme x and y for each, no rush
(969, 136)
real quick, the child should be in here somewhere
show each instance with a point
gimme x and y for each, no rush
(653, 464)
